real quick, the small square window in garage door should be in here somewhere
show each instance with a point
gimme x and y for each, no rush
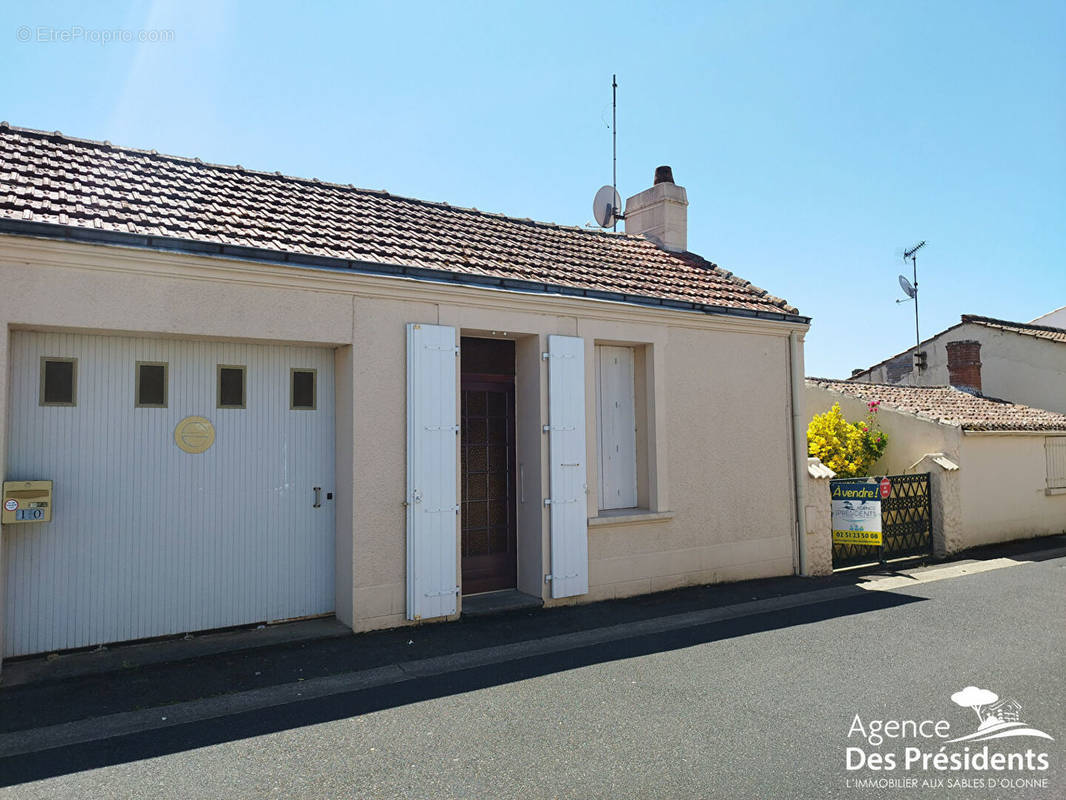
(151, 385)
(59, 381)
(231, 385)
(302, 389)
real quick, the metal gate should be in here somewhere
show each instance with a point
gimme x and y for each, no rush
(906, 525)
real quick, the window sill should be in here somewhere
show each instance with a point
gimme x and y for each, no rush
(629, 516)
(1056, 490)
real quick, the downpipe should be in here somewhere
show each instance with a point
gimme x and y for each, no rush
(799, 446)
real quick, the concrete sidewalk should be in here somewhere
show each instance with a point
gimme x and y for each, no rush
(84, 697)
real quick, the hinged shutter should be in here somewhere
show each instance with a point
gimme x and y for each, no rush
(431, 473)
(566, 447)
(1055, 448)
(617, 421)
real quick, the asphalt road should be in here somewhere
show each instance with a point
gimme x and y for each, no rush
(758, 707)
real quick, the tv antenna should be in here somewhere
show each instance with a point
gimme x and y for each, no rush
(911, 290)
(606, 205)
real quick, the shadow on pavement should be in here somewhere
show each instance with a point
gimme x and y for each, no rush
(126, 748)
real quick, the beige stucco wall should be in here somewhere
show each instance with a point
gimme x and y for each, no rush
(715, 446)
(1014, 366)
(1002, 484)
(909, 438)
(722, 417)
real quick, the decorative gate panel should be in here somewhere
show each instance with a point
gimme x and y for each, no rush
(906, 525)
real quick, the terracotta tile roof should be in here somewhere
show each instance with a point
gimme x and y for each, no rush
(950, 406)
(1024, 328)
(49, 178)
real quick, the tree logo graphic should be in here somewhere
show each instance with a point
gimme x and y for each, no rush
(996, 719)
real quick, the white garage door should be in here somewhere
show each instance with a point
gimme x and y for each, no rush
(147, 539)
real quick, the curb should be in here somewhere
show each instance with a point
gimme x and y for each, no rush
(130, 722)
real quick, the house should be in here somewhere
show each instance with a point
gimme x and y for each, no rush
(1052, 319)
(1022, 362)
(998, 469)
(261, 398)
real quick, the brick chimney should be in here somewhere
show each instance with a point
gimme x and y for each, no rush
(964, 365)
(660, 213)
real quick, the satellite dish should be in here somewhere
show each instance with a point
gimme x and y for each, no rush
(605, 208)
(905, 285)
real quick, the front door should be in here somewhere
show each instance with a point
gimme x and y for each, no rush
(487, 427)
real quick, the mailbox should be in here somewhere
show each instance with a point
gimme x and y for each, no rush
(27, 501)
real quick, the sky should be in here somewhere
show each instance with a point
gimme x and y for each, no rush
(816, 140)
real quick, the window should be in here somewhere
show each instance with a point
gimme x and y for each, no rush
(302, 390)
(231, 385)
(151, 385)
(1055, 449)
(617, 426)
(59, 381)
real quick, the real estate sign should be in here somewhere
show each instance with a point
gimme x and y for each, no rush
(856, 511)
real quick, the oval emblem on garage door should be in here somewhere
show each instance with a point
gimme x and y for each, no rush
(194, 434)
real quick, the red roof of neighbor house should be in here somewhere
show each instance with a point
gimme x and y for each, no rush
(950, 406)
(100, 192)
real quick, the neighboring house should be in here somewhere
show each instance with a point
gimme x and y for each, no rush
(1022, 362)
(262, 397)
(999, 468)
(1052, 319)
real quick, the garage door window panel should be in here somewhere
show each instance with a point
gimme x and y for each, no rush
(151, 389)
(231, 386)
(303, 389)
(59, 381)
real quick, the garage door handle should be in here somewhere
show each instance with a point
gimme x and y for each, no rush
(318, 497)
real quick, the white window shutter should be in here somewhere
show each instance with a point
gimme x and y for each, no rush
(1055, 448)
(615, 387)
(566, 448)
(431, 473)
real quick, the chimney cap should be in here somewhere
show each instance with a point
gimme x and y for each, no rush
(663, 174)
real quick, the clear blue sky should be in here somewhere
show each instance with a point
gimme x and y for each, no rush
(816, 140)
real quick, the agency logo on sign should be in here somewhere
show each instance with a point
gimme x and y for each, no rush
(919, 754)
(997, 719)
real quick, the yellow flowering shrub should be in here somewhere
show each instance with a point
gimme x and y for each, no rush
(848, 448)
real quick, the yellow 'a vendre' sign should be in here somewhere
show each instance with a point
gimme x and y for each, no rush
(856, 508)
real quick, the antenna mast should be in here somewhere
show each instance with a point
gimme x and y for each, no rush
(912, 254)
(614, 143)
(606, 202)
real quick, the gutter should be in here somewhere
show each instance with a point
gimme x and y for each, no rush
(47, 230)
(799, 445)
(1034, 432)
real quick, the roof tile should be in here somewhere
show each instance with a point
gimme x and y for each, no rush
(1024, 328)
(950, 406)
(86, 184)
